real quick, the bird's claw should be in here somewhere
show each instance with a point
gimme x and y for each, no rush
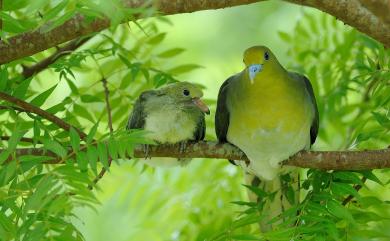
(146, 148)
(182, 147)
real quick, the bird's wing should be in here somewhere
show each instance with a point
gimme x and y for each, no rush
(315, 123)
(138, 115)
(222, 114)
(200, 129)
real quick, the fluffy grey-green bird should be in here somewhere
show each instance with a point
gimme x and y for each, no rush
(172, 114)
(269, 113)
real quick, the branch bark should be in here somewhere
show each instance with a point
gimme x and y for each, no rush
(324, 160)
(380, 8)
(351, 12)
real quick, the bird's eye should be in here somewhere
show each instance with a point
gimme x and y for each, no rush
(266, 56)
(186, 92)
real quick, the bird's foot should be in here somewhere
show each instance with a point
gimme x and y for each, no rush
(182, 147)
(146, 148)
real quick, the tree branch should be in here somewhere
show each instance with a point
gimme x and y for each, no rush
(23, 139)
(33, 109)
(357, 188)
(28, 71)
(325, 160)
(380, 8)
(351, 12)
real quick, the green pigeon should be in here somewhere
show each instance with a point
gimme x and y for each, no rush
(172, 114)
(267, 112)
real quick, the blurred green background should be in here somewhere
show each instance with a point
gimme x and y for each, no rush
(349, 71)
(191, 203)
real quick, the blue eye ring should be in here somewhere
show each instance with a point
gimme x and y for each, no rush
(186, 92)
(266, 56)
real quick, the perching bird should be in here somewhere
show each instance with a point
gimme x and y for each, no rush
(172, 114)
(267, 112)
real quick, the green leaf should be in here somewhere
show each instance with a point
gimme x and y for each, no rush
(3, 79)
(245, 237)
(290, 195)
(90, 99)
(54, 11)
(81, 111)
(92, 158)
(14, 140)
(259, 192)
(21, 90)
(74, 139)
(156, 39)
(284, 36)
(41, 98)
(113, 149)
(125, 61)
(92, 133)
(171, 53)
(82, 161)
(382, 119)
(184, 68)
(371, 176)
(103, 157)
(339, 211)
(54, 147)
(342, 189)
(350, 177)
(72, 86)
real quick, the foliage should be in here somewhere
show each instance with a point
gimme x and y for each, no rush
(38, 201)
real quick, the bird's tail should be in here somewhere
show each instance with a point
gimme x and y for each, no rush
(283, 193)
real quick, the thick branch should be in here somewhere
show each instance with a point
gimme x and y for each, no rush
(33, 109)
(380, 8)
(325, 160)
(349, 11)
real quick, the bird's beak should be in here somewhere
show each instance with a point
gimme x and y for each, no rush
(253, 70)
(201, 105)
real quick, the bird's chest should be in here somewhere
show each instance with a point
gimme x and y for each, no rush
(169, 126)
(272, 122)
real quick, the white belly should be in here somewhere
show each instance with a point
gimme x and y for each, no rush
(267, 148)
(169, 126)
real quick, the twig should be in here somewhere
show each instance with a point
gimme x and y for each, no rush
(357, 188)
(28, 71)
(24, 139)
(33, 109)
(109, 116)
(108, 106)
(5, 107)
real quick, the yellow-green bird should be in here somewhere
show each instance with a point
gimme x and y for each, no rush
(172, 114)
(267, 112)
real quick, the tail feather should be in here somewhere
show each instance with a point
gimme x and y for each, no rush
(284, 192)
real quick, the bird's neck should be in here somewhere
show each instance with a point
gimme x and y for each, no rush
(270, 81)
